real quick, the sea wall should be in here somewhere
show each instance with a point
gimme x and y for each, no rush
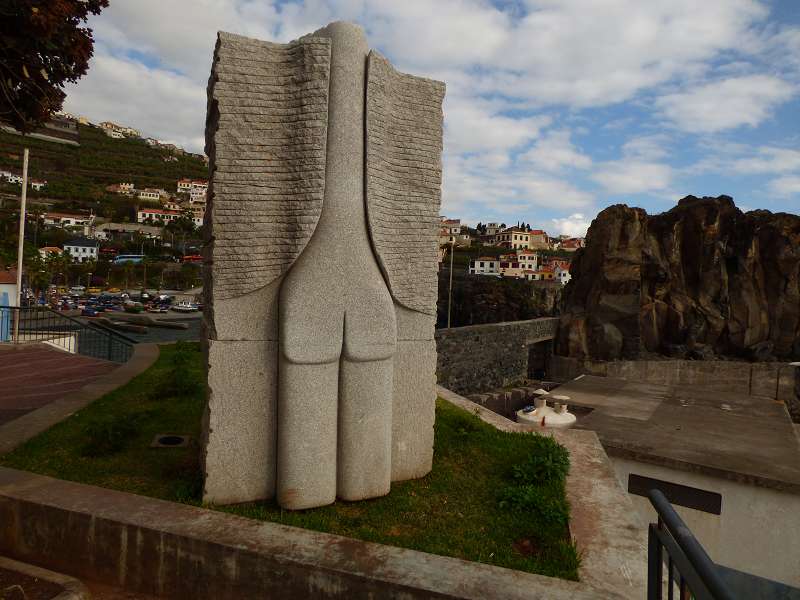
(484, 357)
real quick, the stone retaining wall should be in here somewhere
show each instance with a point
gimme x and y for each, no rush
(485, 357)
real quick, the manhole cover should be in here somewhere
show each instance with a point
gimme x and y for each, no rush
(169, 440)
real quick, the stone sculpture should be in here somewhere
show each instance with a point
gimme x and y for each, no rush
(320, 270)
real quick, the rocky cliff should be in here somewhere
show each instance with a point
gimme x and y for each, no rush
(703, 280)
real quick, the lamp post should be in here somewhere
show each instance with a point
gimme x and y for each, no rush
(450, 288)
(21, 241)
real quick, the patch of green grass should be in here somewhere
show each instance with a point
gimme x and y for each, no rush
(491, 497)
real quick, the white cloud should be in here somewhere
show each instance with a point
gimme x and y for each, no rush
(740, 159)
(545, 191)
(769, 160)
(555, 152)
(161, 104)
(725, 104)
(574, 225)
(512, 73)
(633, 176)
(594, 53)
(647, 147)
(785, 186)
(471, 127)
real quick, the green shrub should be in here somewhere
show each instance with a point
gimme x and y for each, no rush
(548, 463)
(544, 504)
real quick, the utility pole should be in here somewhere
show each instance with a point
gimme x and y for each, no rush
(450, 290)
(21, 242)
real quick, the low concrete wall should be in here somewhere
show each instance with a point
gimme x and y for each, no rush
(772, 380)
(178, 551)
(484, 357)
(756, 531)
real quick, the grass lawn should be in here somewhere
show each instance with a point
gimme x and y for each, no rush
(491, 497)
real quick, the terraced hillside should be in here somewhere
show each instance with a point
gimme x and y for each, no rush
(80, 174)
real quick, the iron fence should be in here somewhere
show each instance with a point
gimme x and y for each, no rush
(41, 324)
(689, 568)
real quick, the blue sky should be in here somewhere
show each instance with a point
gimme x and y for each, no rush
(555, 109)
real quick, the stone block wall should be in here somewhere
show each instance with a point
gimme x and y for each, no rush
(485, 357)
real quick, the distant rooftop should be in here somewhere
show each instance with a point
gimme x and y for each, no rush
(692, 428)
(82, 243)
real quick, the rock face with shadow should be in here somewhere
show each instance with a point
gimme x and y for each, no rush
(703, 280)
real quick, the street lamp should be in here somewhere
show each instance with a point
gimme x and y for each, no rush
(450, 289)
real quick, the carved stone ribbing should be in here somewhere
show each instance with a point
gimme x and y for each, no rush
(404, 177)
(265, 137)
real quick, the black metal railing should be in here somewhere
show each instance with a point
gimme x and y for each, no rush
(689, 568)
(44, 325)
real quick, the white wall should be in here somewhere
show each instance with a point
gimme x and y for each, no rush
(758, 530)
(11, 290)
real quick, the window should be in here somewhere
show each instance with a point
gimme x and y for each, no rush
(481, 264)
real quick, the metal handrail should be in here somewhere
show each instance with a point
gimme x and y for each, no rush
(105, 328)
(696, 572)
(43, 324)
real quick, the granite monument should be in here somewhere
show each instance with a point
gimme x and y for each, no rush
(320, 274)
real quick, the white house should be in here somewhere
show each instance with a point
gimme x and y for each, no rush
(562, 275)
(58, 219)
(493, 228)
(151, 194)
(514, 238)
(484, 265)
(37, 184)
(453, 226)
(82, 249)
(157, 214)
(13, 178)
(184, 185)
(528, 260)
(198, 196)
(117, 135)
(198, 191)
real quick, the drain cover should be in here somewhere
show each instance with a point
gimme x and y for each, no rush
(169, 440)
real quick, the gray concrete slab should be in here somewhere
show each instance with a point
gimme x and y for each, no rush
(726, 434)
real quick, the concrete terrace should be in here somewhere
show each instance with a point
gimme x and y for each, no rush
(35, 375)
(693, 428)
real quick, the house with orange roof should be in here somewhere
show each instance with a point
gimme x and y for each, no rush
(50, 250)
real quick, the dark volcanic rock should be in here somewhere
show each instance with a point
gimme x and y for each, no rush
(701, 280)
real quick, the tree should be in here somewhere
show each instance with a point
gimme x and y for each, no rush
(42, 47)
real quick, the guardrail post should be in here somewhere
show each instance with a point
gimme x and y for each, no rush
(654, 564)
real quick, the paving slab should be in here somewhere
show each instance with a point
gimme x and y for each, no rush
(737, 436)
(36, 401)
